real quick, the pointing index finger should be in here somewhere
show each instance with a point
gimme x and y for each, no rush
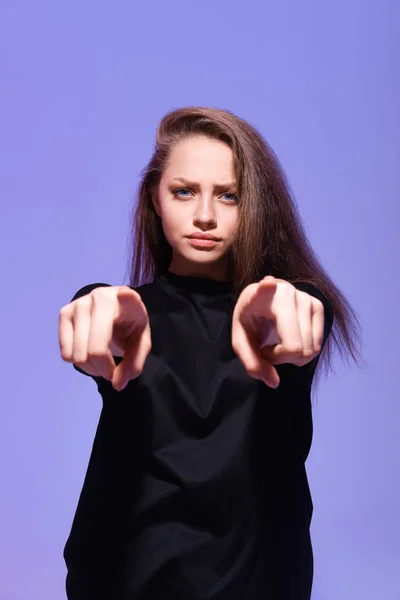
(130, 307)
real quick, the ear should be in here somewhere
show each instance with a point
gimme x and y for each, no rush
(155, 202)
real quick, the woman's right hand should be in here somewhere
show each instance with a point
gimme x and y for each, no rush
(108, 321)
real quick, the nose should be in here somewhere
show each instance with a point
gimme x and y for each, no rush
(204, 214)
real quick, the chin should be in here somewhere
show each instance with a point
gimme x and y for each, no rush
(203, 259)
(202, 256)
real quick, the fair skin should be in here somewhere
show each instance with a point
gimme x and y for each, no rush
(197, 194)
(272, 323)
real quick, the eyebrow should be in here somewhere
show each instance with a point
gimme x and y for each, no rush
(194, 185)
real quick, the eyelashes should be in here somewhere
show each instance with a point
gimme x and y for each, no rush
(180, 193)
(185, 193)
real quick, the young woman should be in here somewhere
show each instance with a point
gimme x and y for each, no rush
(196, 486)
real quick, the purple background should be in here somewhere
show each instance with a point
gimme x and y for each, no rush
(83, 86)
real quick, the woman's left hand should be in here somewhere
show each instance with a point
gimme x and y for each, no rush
(274, 323)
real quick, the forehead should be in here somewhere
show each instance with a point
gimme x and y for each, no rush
(200, 156)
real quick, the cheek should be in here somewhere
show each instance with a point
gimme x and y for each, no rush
(232, 222)
(172, 224)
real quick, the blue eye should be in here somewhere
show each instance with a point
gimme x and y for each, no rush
(232, 196)
(182, 192)
(186, 193)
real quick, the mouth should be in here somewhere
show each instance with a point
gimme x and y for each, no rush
(208, 242)
(204, 236)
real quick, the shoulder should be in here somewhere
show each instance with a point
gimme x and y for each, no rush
(309, 288)
(143, 289)
(149, 292)
(86, 289)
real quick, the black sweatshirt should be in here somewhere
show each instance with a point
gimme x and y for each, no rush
(196, 487)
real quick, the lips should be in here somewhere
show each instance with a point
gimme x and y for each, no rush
(205, 236)
(203, 243)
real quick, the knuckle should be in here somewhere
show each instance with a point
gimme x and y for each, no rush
(67, 356)
(84, 301)
(82, 306)
(295, 348)
(79, 360)
(64, 312)
(127, 288)
(288, 289)
(97, 352)
(317, 303)
(99, 294)
(317, 306)
(303, 298)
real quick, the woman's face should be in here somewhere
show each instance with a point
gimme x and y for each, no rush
(197, 195)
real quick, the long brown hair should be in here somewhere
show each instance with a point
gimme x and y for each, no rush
(270, 238)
